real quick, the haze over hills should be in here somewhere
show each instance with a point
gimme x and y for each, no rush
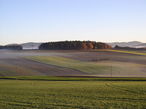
(31, 45)
(133, 44)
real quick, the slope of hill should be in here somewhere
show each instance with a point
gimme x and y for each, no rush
(72, 63)
(142, 45)
(134, 44)
(11, 47)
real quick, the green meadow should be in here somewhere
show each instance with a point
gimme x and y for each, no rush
(101, 68)
(87, 67)
(28, 94)
(97, 84)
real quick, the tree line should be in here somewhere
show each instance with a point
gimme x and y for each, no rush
(72, 45)
(12, 47)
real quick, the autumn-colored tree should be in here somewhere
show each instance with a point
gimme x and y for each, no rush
(84, 46)
(72, 45)
(90, 45)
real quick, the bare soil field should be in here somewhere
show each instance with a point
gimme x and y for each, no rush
(14, 63)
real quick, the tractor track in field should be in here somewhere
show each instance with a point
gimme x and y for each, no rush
(123, 89)
(81, 73)
(42, 68)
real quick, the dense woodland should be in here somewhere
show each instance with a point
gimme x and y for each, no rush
(72, 45)
(12, 47)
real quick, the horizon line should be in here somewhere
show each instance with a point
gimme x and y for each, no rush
(71, 40)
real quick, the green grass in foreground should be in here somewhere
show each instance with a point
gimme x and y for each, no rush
(26, 94)
(49, 78)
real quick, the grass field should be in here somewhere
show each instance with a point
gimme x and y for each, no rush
(102, 68)
(103, 63)
(27, 80)
(142, 53)
(26, 94)
(70, 78)
(87, 67)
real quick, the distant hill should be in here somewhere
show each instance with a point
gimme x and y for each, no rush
(133, 44)
(65, 44)
(142, 45)
(12, 47)
(31, 45)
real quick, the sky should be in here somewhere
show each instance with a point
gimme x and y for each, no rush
(54, 20)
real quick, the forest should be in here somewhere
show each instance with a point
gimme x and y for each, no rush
(72, 45)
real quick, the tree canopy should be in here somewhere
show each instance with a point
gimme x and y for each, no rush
(71, 45)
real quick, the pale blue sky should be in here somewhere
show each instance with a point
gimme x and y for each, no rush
(54, 20)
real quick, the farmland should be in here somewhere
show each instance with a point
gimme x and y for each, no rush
(26, 94)
(72, 79)
(72, 63)
(102, 68)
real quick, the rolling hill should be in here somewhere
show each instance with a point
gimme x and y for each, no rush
(133, 44)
